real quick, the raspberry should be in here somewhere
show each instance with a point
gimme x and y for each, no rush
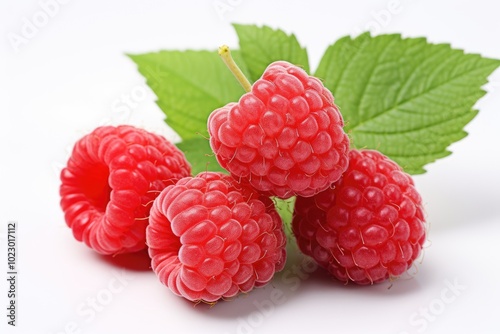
(110, 182)
(369, 227)
(210, 238)
(285, 137)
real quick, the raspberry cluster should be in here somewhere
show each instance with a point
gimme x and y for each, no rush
(209, 237)
(212, 236)
(356, 213)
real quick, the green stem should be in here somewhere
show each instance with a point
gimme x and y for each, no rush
(225, 54)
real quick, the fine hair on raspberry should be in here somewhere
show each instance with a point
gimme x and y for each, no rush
(369, 227)
(110, 182)
(211, 238)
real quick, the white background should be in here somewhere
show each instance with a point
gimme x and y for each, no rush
(70, 76)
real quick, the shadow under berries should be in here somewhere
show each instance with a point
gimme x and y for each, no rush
(138, 261)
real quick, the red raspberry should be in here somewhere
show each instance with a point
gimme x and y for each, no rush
(110, 182)
(210, 238)
(285, 137)
(369, 227)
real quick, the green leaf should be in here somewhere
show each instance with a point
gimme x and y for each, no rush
(189, 86)
(285, 209)
(261, 46)
(200, 155)
(405, 97)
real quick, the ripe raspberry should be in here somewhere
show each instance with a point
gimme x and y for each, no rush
(369, 227)
(110, 182)
(210, 238)
(285, 137)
